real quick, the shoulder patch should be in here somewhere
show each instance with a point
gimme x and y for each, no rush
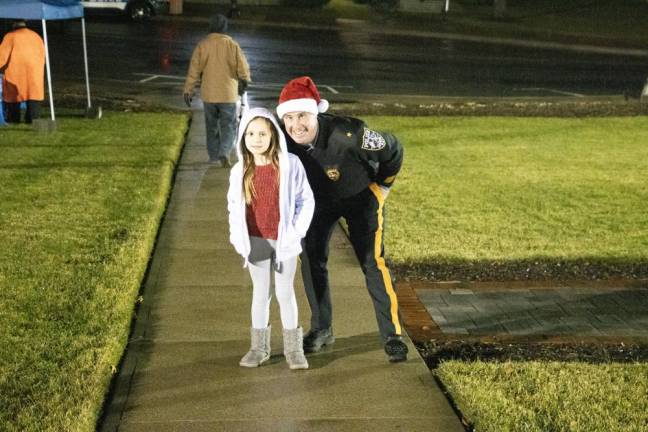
(372, 140)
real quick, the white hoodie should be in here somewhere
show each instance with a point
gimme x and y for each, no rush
(296, 202)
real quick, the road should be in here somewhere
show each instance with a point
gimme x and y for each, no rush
(350, 62)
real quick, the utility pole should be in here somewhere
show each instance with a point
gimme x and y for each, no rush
(446, 8)
(644, 93)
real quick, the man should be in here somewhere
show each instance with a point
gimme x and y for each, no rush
(22, 55)
(350, 169)
(219, 64)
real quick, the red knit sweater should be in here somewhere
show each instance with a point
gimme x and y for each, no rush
(262, 214)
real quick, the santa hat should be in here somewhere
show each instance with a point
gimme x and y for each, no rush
(301, 95)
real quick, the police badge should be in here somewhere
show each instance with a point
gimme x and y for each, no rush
(372, 141)
(333, 174)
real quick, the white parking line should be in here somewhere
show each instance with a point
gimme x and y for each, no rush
(550, 91)
(152, 77)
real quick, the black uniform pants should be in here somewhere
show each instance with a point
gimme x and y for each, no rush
(364, 215)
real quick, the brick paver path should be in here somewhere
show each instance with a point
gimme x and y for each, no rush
(559, 311)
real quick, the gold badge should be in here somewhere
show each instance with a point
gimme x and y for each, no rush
(349, 134)
(333, 174)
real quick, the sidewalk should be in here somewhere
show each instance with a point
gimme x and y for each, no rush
(181, 372)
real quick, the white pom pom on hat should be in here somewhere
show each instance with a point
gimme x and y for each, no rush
(301, 95)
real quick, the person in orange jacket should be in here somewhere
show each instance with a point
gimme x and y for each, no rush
(22, 57)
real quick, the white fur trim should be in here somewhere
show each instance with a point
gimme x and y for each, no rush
(297, 105)
(323, 106)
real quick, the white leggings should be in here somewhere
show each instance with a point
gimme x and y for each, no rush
(261, 267)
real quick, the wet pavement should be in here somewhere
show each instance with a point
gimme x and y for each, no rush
(351, 61)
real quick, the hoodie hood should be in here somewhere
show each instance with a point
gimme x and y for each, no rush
(296, 202)
(250, 115)
(217, 24)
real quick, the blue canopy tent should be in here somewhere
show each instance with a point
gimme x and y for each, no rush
(45, 10)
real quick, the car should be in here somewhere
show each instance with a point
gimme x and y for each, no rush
(137, 10)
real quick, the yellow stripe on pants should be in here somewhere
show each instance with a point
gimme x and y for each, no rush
(380, 261)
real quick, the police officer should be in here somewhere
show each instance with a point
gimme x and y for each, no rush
(350, 169)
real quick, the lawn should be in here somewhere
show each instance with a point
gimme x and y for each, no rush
(549, 396)
(526, 198)
(502, 198)
(598, 22)
(79, 212)
(478, 197)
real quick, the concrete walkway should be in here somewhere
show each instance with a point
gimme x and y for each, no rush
(181, 368)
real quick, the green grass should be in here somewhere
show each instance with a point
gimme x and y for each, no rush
(597, 22)
(621, 18)
(578, 21)
(512, 198)
(516, 198)
(349, 10)
(79, 211)
(549, 396)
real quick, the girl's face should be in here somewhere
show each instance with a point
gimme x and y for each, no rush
(257, 137)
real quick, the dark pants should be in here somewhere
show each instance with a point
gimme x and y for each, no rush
(364, 215)
(12, 111)
(220, 123)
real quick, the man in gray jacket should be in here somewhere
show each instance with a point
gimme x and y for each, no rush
(218, 64)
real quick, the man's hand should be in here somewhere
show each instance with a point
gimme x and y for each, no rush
(242, 86)
(187, 99)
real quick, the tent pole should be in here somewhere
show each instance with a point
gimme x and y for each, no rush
(49, 75)
(85, 60)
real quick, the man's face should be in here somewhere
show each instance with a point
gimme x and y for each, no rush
(301, 126)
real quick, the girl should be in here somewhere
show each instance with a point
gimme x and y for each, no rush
(270, 206)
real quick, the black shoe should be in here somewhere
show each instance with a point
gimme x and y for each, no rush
(396, 349)
(315, 339)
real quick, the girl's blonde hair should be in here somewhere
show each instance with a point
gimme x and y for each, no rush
(248, 159)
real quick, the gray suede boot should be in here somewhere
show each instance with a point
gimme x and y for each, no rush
(259, 349)
(293, 348)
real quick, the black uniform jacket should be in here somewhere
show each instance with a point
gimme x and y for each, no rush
(347, 157)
